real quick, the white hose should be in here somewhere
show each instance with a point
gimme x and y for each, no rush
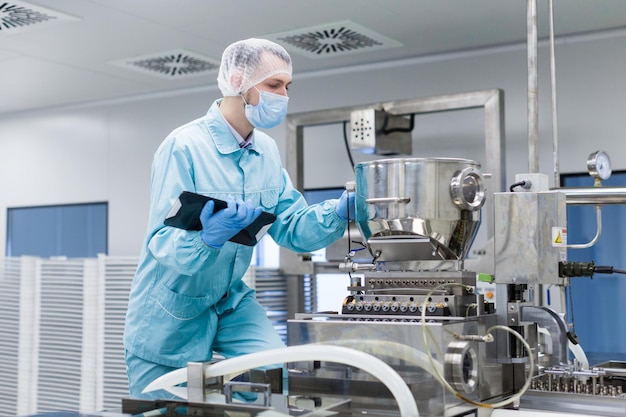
(579, 354)
(337, 354)
(394, 350)
(577, 350)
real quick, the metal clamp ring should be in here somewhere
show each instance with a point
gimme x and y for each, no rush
(461, 366)
(467, 189)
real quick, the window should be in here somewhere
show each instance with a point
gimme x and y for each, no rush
(72, 230)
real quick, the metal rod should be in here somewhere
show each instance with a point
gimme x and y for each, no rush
(533, 126)
(596, 237)
(555, 133)
(594, 195)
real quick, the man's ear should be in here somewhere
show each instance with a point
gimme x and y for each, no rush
(236, 79)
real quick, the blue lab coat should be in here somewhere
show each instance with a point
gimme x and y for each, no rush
(182, 286)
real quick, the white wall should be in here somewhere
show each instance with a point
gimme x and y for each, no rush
(103, 151)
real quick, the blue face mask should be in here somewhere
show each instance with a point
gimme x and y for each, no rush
(270, 111)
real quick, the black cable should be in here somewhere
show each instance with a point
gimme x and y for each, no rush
(571, 305)
(349, 240)
(600, 269)
(363, 246)
(586, 269)
(347, 143)
(603, 269)
(517, 184)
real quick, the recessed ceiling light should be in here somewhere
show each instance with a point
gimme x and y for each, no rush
(19, 16)
(174, 64)
(333, 39)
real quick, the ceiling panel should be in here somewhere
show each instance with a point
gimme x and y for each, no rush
(73, 62)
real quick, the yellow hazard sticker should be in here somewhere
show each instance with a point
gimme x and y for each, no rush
(559, 236)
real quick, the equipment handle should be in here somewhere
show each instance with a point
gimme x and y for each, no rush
(388, 200)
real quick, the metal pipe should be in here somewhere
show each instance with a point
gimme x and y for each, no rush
(533, 113)
(594, 195)
(555, 135)
(596, 237)
(612, 371)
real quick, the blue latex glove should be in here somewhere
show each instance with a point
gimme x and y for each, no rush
(218, 227)
(346, 207)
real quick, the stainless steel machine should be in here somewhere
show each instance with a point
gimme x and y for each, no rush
(413, 304)
(416, 306)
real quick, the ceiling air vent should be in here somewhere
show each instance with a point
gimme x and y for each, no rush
(19, 16)
(173, 64)
(333, 39)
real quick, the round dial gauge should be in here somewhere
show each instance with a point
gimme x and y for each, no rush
(599, 165)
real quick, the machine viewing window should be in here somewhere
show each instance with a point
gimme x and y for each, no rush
(71, 230)
(317, 195)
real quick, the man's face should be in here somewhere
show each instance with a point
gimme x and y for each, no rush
(277, 84)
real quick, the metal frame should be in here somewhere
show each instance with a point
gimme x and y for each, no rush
(492, 101)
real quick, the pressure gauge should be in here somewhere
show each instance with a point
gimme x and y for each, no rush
(599, 165)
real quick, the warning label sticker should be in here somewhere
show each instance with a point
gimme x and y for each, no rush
(559, 236)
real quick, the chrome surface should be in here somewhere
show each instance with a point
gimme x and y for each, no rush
(491, 101)
(436, 198)
(196, 381)
(409, 293)
(406, 248)
(410, 257)
(594, 195)
(399, 342)
(467, 189)
(282, 406)
(556, 326)
(599, 165)
(572, 404)
(406, 267)
(533, 104)
(524, 249)
(461, 366)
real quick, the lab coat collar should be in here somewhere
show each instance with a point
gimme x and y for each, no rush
(221, 133)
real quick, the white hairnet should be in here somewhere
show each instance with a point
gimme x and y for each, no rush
(248, 62)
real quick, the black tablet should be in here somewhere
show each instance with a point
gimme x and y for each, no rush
(185, 214)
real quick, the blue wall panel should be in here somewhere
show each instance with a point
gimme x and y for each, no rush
(598, 304)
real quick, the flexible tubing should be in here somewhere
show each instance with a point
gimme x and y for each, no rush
(579, 354)
(337, 354)
(394, 350)
(153, 413)
(373, 347)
